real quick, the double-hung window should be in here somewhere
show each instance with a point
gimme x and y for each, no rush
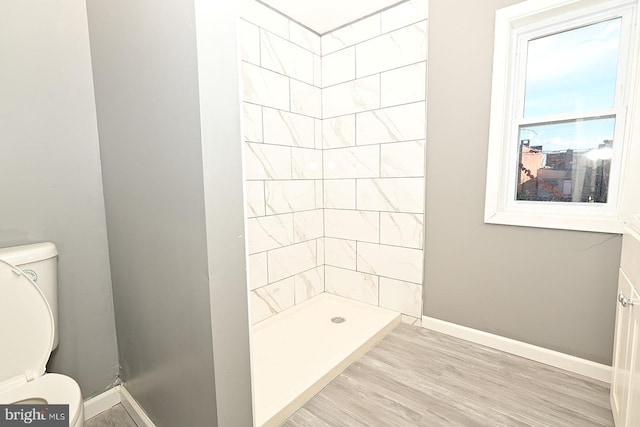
(559, 134)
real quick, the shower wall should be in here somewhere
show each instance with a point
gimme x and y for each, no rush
(334, 130)
(373, 110)
(283, 160)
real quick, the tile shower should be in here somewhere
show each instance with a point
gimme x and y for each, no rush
(334, 130)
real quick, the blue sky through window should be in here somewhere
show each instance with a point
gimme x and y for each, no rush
(573, 70)
(567, 72)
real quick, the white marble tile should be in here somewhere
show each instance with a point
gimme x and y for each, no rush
(351, 284)
(255, 198)
(249, 42)
(339, 67)
(282, 56)
(257, 275)
(307, 225)
(401, 123)
(306, 99)
(284, 128)
(351, 34)
(390, 261)
(413, 321)
(272, 299)
(340, 253)
(320, 249)
(291, 260)
(318, 134)
(402, 159)
(264, 161)
(351, 97)
(392, 50)
(391, 194)
(401, 229)
(307, 163)
(340, 194)
(289, 196)
(265, 87)
(352, 225)
(339, 132)
(404, 14)
(319, 196)
(269, 232)
(317, 71)
(403, 85)
(352, 162)
(264, 17)
(304, 38)
(252, 122)
(309, 284)
(401, 296)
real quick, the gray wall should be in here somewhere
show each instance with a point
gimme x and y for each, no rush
(147, 94)
(219, 75)
(550, 288)
(50, 182)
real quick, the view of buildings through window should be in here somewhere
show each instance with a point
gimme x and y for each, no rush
(567, 119)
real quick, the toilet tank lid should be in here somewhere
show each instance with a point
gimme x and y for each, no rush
(25, 254)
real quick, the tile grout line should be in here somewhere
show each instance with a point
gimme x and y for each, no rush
(425, 20)
(262, 121)
(322, 86)
(421, 100)
(382, 108)
(380, 90)
(322, 195)
(404, 141)
(371, 274)
(259, 45)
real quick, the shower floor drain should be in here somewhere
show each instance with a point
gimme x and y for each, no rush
(338, 319)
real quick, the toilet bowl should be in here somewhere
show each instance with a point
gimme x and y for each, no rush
(51, 389)
(27, 336)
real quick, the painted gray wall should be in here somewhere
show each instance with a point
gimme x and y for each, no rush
(50, 179)
(168, 283)
(219, 81)
(551, 288)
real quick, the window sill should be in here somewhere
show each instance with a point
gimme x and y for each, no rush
(607, 223)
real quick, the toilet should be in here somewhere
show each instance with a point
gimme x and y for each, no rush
(28, 330)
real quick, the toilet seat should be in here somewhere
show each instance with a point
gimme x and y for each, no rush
(53, 389)
(27, 330)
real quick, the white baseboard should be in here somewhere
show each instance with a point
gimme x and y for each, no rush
(102, 402)
(564, 361)
(134, 409)
(110, 398)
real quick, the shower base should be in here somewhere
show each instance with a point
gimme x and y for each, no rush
(298, 352)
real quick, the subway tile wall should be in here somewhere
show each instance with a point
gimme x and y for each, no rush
(334, 131)
(374, 131)
(281, 67)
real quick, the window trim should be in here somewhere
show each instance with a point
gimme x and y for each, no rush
(515, 25)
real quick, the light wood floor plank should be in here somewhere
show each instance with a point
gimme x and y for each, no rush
(417, 377)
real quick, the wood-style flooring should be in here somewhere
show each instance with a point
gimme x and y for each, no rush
(114, 417)
(416, 377)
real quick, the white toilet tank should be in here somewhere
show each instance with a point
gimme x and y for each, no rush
(39, 261)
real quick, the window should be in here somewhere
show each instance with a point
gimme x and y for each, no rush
(559, 134)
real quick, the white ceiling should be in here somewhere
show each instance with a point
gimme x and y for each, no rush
(325, 15)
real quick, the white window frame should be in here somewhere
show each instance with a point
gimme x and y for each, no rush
(515, 26)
